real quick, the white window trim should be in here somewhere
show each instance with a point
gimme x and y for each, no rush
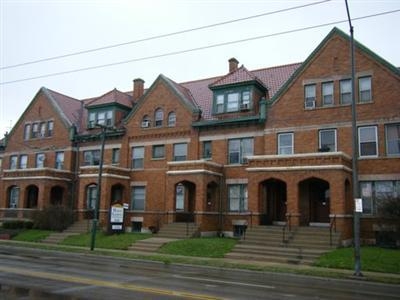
(320, 139)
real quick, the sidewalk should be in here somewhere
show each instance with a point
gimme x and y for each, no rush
(250, 265)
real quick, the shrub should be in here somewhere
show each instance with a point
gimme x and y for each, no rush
(55, 217)
(17, 224)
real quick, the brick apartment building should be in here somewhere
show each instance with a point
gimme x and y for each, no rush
(267, 146)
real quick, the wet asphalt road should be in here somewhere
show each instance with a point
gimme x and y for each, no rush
(38, 274)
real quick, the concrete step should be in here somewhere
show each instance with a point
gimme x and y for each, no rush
(268, 258)
(150, 244)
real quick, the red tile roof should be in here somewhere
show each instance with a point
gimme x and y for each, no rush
(237, 76)
(113, 96)
(272, 78)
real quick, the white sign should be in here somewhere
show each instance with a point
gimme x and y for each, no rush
(126, 206)
(116, 227)
(117, 214)
(358, 205)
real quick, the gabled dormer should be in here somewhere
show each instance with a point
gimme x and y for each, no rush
(108, 109)
(238, 92)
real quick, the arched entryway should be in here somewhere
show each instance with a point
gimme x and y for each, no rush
(212, 201)
(314, 201)
(117, 192)
(32, 194)
(273, 193)
(185, 199)
(56, 195)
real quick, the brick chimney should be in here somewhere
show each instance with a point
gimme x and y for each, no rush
(233, 64)
(138, 88)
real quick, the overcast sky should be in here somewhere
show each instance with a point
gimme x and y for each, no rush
(32, 30)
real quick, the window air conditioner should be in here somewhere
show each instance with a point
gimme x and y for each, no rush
(310, 104)
(145, 124)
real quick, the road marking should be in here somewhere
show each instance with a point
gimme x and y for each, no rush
(225, 282)
(103, 283)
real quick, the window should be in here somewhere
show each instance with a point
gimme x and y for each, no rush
(109, 115)
(43, 126)
(180, 197)
(393, 139)
(27, 132)
(233, 102)
(158, 151)
(172, 119)
(364, 86)
(40, 160)
(309, 96)
(220, 107)
(237, 197)
(180, 152)
(285, 143)
(23, 161)
(145, 122)
(59, 160)
(159, 117)
(115, 156)
(138, 198)
(238, 150)
(35, 130)
(91, 196)
(245, 100)
(13, 197)
(345, 91)
(13, 162)
(368, 145)
(327, 93)
(91, 157)
(104, 117)
(374, 193)
(92, 120)
(101, 118)
(137, 157)
(50, 128)
(207, 149)
(327, 140)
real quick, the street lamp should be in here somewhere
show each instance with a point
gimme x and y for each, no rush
(357, 256)
(98, 193)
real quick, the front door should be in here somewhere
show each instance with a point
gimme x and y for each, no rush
(184, 202)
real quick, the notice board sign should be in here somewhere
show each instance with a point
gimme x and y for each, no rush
(117, 218)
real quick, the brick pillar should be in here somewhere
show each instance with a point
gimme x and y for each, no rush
(293, 203)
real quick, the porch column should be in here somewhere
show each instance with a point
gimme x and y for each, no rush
(293, 203)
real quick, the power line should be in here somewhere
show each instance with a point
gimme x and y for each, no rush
(196, 49)
(162, 35)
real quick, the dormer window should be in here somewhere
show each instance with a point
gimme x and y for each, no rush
(232, 100)
(104, 117)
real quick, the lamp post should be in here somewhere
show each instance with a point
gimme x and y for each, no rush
(356, 222)
(98, 193)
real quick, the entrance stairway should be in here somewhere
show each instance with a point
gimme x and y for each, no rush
(178, 231)
(302, 246)
(78, 227)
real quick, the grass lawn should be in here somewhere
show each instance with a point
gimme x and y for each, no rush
(31, 235)
(115, 241)
(202, 247)
(372, 259)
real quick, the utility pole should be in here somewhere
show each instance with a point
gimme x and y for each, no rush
(98, 193)
(356, 222)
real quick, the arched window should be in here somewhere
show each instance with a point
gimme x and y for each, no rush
(13, 197)
(145, 121)
(171, 119)
(91, 196)
(158, 117)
